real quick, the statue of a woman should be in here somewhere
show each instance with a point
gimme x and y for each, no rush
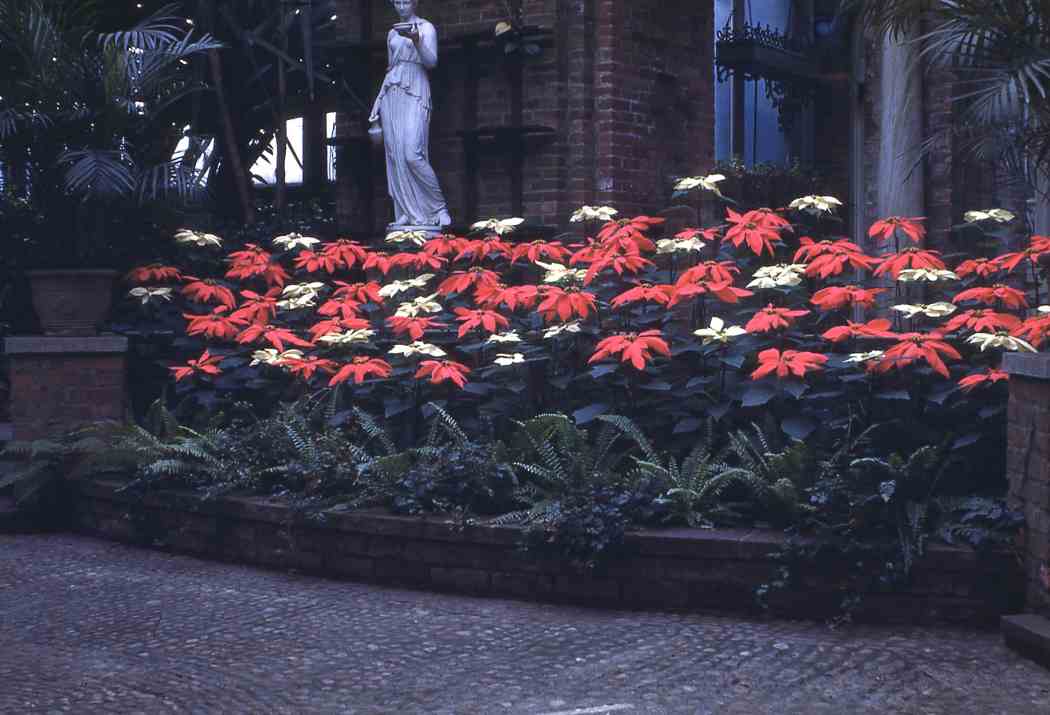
(402, 109)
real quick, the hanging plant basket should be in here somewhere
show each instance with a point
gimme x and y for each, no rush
(755, 60)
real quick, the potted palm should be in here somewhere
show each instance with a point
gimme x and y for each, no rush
(86, 130)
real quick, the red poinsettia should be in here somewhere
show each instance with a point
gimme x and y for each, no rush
(1034, 330)
(312, 262)
(714, 271)
(619, 262)
(415, 327)
(336, 325)
(207, 290)
(789, 362)
(982, 321)
(206, 364)
(990, 295)
(887, 228)
(988, 377)
(565, 303)
(894, 263)
(514, 297)
(359, 369)
(637, 348)
(540, 250)
(345, 253)
(274, 335)
(877, 328)
(417, 261)
(478, 249)
(462, 281)
(834, 297)
(254, 261)
(830, 258)
(441, 370)
(773, 318)
(154, 272)
(215, 325)
(981, 267)
(361, 292)
(488, 320)
(661, 294)
(919, 346)
(1038, 247)
(306, 367)
(723, 290)
(257, 308)
(706, 234)
(628, 234)
(379, 260)
(445, 245)
(345, 307)
(758, 228)
(252, 255)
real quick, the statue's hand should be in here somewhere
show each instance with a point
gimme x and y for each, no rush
(375, 131)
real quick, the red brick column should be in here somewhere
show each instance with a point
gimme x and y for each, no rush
(1028, 468)
(59, 383)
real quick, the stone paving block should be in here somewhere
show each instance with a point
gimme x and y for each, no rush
(457, 579)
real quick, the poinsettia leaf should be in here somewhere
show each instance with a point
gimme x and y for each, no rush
(795, 388)
(941, 394)
(561, 381)
(966, 440)
(396, 407)
(990, 411)
(798, 427)
(600, 370)
(828, 395)
(696, 381)
(690, 424)
(718, 411)
(893, 395)
(340, 418)
(657, 386)
(588, 413)
(756, 395)
(478, 388)
(733, 360)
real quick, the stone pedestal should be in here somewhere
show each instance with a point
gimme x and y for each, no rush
(1028, 468)
(60, 383)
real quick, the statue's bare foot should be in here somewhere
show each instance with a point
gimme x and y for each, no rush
(444, 219)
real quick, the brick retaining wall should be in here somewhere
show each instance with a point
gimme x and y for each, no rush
(672, 568)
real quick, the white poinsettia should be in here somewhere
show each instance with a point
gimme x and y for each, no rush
(270, 356)
(348, 337)
(593, 213)
(297, 303)
(718, 331)
(997, 215)
(707, 183)
(1000, 339)
(394, 287)
(497, 225)
(929, 275)
(417, 348)
(187, 236)
(557, 273)
(554, 331)
(815, 204)
(865, 357)
(1044, 309)
(782, 275)
(295, 240)
(679, 245)
(148, 294)
(939, 309)
(417, 238)
(298, 290)
(416, 306)
(506, 359)
(508, 337)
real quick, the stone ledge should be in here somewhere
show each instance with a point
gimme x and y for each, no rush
(44, 345)
(659, 568)
(1029, 635)
(1036, 365)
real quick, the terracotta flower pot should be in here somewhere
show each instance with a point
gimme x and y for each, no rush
(72, 302)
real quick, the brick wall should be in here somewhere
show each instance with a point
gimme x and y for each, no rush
(670, 568)
(1028, 468)
(625, 86)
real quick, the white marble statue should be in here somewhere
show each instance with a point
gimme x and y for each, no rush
(401, 115)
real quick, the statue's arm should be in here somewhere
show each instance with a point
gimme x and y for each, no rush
(428, 46)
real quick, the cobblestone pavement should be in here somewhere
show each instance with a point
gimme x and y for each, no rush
(94, 627)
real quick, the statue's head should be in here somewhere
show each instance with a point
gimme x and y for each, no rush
(405, 8)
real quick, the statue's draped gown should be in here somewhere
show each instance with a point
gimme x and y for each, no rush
(403, 108)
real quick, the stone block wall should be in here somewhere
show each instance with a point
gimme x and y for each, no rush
(59, 383)
(625, 86)
(1028, 468)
